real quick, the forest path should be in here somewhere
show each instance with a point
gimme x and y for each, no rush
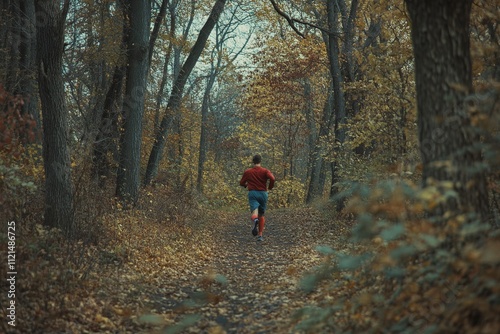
(247, 286)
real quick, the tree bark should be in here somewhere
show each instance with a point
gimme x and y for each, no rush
(108, 132)
(164, 78)
(348, 62)
(128, 180)
(448, 144)
(18, 53)
(174, 152)
(50, 47)
(156, 29)
(311, 124)
(27, 83)
(108, 129)
(317, 179)
(175, 99)
(338, 92)
(13, 45)
(204, 128)
(349, 19)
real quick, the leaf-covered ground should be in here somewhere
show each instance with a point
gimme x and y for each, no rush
(239, 285)
(245, 286)
(151, 272)
(206, 276)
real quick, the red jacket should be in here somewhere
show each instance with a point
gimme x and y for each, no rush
(256, 179)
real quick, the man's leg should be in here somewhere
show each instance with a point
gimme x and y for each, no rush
(255, 220)
(262, 221)
(254, 215)
(261, 211)
(253, 202)
(254, 210)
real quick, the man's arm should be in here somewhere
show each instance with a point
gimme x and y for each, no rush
(243, 181)
(270, 176)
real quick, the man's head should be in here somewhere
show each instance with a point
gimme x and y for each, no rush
(257, 159)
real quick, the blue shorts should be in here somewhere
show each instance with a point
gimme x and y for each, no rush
(257, 200)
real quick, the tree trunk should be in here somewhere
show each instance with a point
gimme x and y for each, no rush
(99, 77)
(128, 180)
(156, 29)
(164, 78)
(204, 131)
(338, 92)
(108, 129)
(349, 19)
(175, 99)
(50, 47)
(175, 118)
(313, 145)
(448, 144)
(317, 180)
(27, 82)
(108, 132)
(348, 67)
(4, 32)
(13, 44)
(18, 52)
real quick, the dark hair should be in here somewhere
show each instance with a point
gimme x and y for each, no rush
(257, 159)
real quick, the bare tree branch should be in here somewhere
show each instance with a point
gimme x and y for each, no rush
(291, 22)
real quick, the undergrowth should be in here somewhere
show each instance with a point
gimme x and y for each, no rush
(69, 285)
(406, 271)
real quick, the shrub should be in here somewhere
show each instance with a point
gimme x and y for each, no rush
(409, 271)
(288, 192)
(17, 130)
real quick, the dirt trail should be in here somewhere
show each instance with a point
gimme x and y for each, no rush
(258, 283)
(249, 286)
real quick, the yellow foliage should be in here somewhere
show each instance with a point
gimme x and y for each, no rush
(221, 190)
(289, 192)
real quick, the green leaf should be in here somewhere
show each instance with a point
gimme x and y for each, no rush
(312, 316)
(394, 272)
(401, 326)
(351, 262)
(450, 194)
(221, 279)
(393, 232)
(403, 251)
(495, 233)
(430, 240)
(326, 250)
(431, 329)
(473, 229)
(444, 255)
(187, 321)
(308, 282)
(151, 319)
(364, 228)
(431, 277)
(365, 218)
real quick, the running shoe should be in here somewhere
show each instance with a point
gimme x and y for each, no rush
(255, 229)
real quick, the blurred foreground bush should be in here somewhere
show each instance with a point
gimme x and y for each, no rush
(406, 271)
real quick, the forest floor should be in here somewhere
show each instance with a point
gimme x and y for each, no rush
(147, 271)
(210, 276)
(246, 286)
(242, 285)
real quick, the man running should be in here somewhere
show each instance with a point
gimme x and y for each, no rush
(255, 180)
